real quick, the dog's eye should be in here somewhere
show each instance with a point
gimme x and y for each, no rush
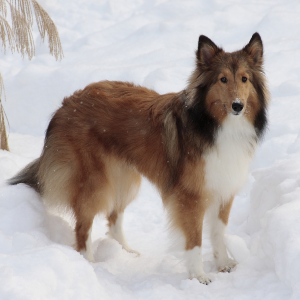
(224, 79)
(244, 79)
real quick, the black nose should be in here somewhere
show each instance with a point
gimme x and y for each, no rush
(237, 106)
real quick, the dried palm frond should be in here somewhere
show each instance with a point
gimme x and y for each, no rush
(22, 33)
(3, 8)
(3, 136)
(24, 8)
(7, 35)
(46, 25)
(19, 35)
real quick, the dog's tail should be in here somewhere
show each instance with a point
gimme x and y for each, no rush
(29, 176)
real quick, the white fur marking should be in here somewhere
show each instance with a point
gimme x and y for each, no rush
(195, 265)
(227, 162)
(88, 253)
(116, 232)
(237, 100)
(217, 232)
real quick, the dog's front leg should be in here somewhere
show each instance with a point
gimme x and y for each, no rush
(195, 265)
(218, 215)
(187, 215)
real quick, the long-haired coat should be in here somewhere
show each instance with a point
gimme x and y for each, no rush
(195, 146)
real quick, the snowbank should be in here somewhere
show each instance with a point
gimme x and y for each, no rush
(274, 217)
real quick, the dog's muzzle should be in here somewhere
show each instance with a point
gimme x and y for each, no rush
(237, 107)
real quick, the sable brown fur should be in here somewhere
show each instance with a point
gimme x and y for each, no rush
(104, 137)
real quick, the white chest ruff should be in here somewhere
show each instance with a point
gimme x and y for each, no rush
(227, 162)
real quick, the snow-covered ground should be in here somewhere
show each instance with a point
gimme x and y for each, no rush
(152, 43)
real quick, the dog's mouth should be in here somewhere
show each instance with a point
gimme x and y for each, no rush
(237, 113)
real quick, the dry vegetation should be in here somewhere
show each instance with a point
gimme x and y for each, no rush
(16, 35)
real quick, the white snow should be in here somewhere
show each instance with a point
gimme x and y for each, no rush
(152, 43)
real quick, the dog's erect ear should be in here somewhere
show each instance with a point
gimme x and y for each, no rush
(207, 49)
(255, 48)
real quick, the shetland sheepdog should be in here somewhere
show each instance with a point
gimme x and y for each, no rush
(195, 146)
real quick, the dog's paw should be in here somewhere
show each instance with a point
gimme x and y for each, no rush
(88, 255)
(204, 279)
(137, 254)
(228, 266)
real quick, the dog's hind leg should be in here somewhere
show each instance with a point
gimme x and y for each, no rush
(124, 181)
(218, 219)
(83, 230)
(89, 199)
(84, 241)
(115, 224)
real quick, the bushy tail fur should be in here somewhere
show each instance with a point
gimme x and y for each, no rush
(28, 176)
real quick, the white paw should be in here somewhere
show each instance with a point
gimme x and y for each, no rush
(88, 255)
(227, 266)
(132, 251)
(203, 278)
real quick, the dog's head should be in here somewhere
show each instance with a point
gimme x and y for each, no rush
(229, 84)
